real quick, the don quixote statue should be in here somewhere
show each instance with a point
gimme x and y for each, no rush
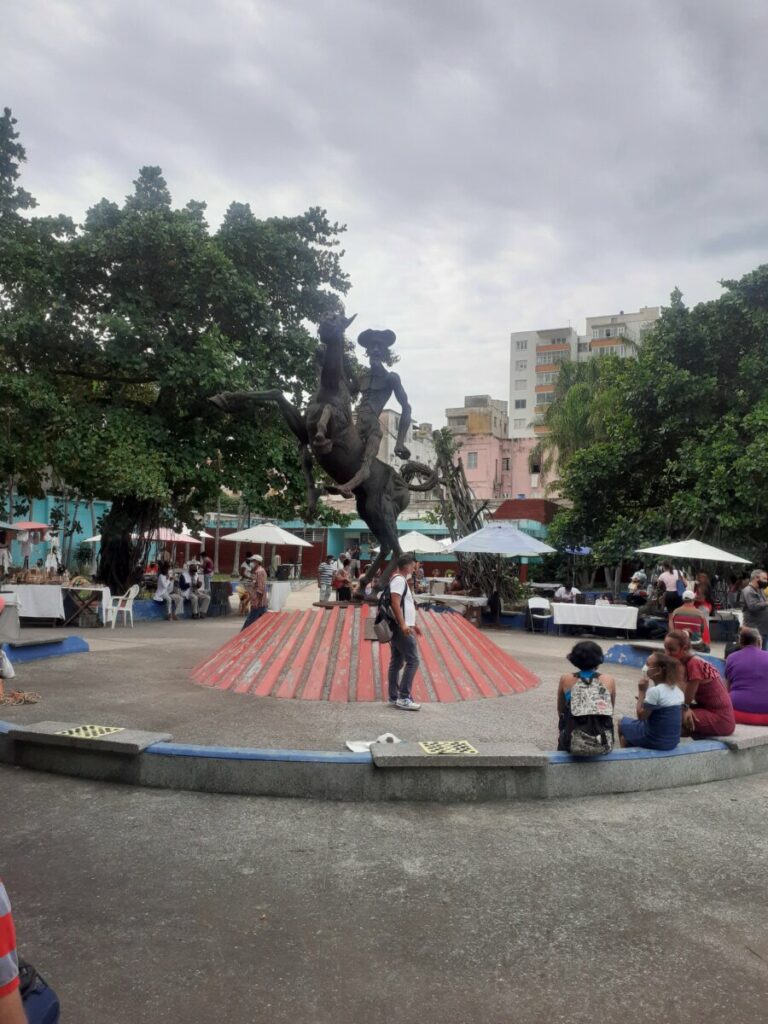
(345, 444)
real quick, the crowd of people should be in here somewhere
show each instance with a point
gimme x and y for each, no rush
(680, 694)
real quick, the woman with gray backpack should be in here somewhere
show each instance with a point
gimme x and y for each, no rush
(585, 700)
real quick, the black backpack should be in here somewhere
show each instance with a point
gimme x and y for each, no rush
(384, 624)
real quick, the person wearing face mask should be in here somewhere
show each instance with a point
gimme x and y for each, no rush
(659, 706)
(708, 709)
(756, 605)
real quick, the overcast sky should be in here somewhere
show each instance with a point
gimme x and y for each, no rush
(501, 165)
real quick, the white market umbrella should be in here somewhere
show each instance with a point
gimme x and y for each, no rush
(694, 550)
(445, 542)
(500, 539)
(267, 533)
(186, 532)
(420, 544)
(167, 536)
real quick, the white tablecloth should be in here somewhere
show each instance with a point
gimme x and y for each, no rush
(38, 601)
(279, 592)
(9, 619)
(606, 616)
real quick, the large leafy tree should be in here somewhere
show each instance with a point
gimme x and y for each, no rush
(121, 329)
(677, 447)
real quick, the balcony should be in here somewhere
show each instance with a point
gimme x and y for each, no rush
(545, 389)
(555, 347)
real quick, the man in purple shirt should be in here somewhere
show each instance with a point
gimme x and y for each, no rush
(746, 672)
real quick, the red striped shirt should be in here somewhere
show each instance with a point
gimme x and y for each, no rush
(9, 962)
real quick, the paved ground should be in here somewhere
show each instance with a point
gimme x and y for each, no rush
(147, 906)
(141, 678)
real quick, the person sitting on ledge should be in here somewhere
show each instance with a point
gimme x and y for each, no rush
(659, 706)
(586, 657)
(694, 620)
(707, 710)
(746, 673)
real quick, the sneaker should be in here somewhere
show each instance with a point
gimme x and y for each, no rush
(406, 704)
(392, 702)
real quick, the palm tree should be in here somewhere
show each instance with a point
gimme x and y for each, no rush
(575, 417)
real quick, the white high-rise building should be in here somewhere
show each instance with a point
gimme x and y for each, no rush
(535, 358)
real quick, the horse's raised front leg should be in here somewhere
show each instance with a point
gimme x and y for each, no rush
(313, 491)
(240, 402)
(321, 443)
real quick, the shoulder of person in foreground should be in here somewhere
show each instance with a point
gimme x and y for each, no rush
(11, 1009)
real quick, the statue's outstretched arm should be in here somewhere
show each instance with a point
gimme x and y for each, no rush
(405, 417)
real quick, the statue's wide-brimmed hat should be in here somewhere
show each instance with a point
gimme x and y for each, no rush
(372, 339)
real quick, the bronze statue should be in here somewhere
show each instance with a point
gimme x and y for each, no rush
(376, 387)
(347, 449)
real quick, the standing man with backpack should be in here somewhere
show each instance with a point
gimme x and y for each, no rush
(405, 651)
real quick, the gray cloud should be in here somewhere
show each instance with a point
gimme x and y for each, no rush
(501, 165)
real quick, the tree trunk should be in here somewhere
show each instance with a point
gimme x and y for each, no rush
(218, 535)
(123, 556)
(94, 547)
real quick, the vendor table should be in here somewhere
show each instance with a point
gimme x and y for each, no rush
(9, 619)
(470, 607)
(96, 598)
(602, 616)
(38, 600)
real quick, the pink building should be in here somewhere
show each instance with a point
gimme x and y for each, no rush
(497, 466)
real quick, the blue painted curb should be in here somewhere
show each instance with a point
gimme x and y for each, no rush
(55, 649)
(641, 754)
(255, 754)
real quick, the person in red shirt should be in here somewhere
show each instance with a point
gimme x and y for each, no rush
(11, 1008)
(257, 589)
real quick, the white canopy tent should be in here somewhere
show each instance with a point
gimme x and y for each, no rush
(694, 551)
(500, 539)
(267, 533)
(417, 543)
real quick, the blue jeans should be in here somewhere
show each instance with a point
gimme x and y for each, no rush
(405, 651)
(253, 614)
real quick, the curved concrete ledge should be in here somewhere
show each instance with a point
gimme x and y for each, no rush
(402, 772)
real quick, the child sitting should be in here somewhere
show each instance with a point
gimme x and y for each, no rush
(659, 706)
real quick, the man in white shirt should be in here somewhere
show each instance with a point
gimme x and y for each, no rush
(567, 594)
(165, 592)
(405, 651)
(193, 590)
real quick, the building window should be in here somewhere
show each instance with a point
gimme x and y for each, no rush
(521, 385)
(521, 364)
(471, 460)
(457, 421)
(519, 424)
(583, 346)
(521, 346)
(505, 464)
(552, 358)
(520, 403)
(547, 378)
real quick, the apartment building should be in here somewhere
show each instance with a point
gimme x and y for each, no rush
(496, 466)
(419, 440)
(535, 359)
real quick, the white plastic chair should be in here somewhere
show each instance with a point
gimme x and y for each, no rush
(537, 605)
(124, 604)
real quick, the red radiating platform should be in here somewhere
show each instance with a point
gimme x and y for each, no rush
(323, 655)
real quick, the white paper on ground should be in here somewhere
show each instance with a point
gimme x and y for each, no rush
(360, 746)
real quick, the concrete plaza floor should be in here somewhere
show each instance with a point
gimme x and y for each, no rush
(155, 906)
(140, 678)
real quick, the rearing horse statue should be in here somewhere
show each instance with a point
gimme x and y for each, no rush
(328, 432)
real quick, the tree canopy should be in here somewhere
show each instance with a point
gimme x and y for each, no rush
(672, 443)
(114, 333)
